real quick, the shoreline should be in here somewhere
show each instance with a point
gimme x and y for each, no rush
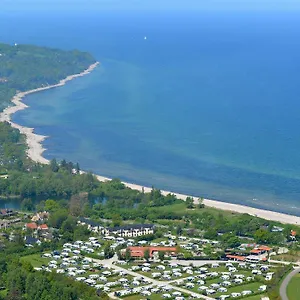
(34, 141)
(35, 152)
(237, 208)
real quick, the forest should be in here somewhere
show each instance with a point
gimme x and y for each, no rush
(26, 67)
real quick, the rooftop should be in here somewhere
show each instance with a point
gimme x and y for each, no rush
(31, 225)
(132, 226)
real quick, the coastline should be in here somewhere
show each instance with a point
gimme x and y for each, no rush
(34, 141)
(35, 152)
(261, 213)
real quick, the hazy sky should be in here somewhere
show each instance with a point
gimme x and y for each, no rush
(150, 4)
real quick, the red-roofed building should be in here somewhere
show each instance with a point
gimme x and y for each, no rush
(139, 252)
(259, 253)
(264, 248)
(293, 234)
(236, 257)
(32, 226)
(43, 227)
(256, 251)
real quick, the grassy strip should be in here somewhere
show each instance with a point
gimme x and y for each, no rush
(275, 283)
(293, 289)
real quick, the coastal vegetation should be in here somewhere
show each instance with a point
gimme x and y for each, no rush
(27, 67)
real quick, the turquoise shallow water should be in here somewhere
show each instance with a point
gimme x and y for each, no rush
(206, 105)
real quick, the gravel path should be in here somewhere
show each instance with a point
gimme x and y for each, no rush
(285, 283)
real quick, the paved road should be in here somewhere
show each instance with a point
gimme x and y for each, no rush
(283, 262)
(285, 283)
(110, 264)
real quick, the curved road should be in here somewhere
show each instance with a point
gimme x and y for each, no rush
(285, 283)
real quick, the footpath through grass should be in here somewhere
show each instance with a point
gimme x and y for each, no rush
(293, 289)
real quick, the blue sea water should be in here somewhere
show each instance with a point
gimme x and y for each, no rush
(207, 105)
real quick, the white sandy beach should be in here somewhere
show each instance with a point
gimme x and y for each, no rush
(35, 152)
(265, 214)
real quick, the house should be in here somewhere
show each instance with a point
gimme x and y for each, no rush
(4, 224)
(32, 226)
(236, 257)
(264, 248)
(31, 241)
(139, 252)
(259, 253)
(91, 225)
(43, 227)
(6, 213)
(132, 230)
(293, 235)
(40, 216)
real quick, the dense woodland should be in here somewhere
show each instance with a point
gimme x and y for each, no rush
(26, 67)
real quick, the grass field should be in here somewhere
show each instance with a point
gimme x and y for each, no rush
(294, 257)
(36, 260)
(138, 297)
(181, 207)
(293, 289)
(256, 297)
(253, 286)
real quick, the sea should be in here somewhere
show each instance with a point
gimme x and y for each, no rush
(201, 103)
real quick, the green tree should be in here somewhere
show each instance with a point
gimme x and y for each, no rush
(57, 218)
(116, 220)
(108, 252)
(211, 234)
(27, 205)
(54, 165)
(68, 225)
(161, 255)
(262, 236)
(233, 242)
(200, 203)
(128, 255)
(147, 254)
(51, 205)
(189, 202)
